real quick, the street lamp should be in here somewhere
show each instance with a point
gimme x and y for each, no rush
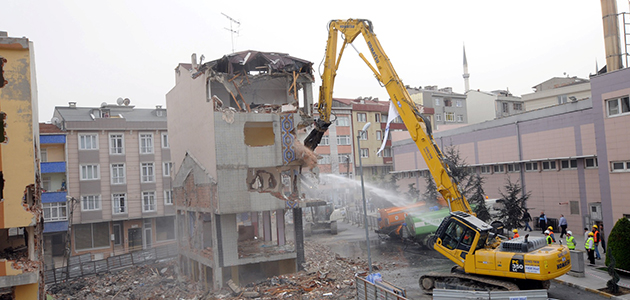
(365, 221)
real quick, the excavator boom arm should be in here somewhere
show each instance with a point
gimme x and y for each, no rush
(418, 126)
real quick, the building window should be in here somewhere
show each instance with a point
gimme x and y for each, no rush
(88, 141)
(365, 152)
(449, 116)
(531, 166)
(119, 203)
(514, 168)
(324, 160)
(568, 164)
(377, 117)
(148, 202)
(361, 117)
(379, 135)
(517, 106)
(90, 202)
(46, 184)
(343, 140)
(459, 103)
(499, 168)
(117, 234)
(438, 117)
(620, 166)
(460, 118)
(43, 153)
(437, 101)
(562, 99)
(397, 120)
(165, 228)
(168, 197)
(618, 106)
(363, 135)
(166, 169)
(89, 172)
(575, 207)
(90, 236)
(165, 143)
(506, 108)
(448, 102)
(325, 141)
(118, 173)
(590, 162)
(343, 158)
(342, 121)
(148, 172)
(549, 165)
(387, 152)
(485, 169)
(116, 144)
(146, 143)
(55, 211)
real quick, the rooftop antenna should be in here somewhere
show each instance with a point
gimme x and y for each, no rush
(232, 31)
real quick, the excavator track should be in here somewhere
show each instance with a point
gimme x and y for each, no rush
(464, 282)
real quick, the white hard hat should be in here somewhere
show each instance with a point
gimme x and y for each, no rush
(569, 232)
(546, 231)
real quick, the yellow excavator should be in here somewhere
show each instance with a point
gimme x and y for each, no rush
(484, 261)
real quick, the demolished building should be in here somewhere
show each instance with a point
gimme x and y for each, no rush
(233, 124)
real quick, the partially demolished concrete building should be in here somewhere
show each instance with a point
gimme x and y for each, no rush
(233, 124)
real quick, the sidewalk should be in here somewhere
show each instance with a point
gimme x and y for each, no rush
(594, 279)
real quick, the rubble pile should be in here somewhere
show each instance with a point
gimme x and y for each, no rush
(325, 275)
(158, 281)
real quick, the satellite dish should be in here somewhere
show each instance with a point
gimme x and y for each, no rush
(103, 104)
(120, 101)
(126, 101)
(55, 121)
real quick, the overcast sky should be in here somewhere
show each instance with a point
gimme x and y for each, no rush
(96, 51)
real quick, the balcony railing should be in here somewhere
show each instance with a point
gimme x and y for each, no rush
(49, 197)
(53, 167)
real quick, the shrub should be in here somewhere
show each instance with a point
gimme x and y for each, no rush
(619, 243)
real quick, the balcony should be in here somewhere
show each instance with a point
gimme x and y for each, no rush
(58, 226)
(53, 167)
(50, 197)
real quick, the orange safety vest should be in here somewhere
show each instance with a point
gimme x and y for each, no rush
(516, 235)
(595, 235)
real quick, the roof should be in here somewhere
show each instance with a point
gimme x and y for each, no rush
(45, 128)
(127, 113)
(250, 60)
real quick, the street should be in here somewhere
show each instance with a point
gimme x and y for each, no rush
(411, 261)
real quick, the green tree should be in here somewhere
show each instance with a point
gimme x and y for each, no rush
(511, 212)
(619, 243)
(413, 193)
(430, 194)
(478, 197)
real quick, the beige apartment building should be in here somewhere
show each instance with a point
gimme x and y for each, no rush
(118, 178)
(557, 90)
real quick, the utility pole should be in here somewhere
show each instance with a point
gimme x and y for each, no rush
(68, 250)
(232, 31)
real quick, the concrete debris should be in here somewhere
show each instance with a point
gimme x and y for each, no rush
(306, 155)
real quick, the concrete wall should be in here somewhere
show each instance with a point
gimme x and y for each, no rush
(481, 106)
(549, 97)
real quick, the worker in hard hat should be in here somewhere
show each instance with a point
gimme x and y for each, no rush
(515, 233)
(553, 237)
(570, 240)
(596, 238)
(548, 238)
(589, 245)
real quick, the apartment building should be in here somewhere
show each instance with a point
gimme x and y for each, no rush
(237, 185)
(572, 157)
(557, 90)
(486, 106)
(118, 180)
(21, 276)
(449, 109)
(53, 159)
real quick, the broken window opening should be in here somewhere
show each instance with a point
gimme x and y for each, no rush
(263, 234)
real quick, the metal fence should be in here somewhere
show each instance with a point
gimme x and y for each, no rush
(357, 218)
(83, 265)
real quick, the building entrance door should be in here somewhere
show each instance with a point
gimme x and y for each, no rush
(148, 233)
(135, 239)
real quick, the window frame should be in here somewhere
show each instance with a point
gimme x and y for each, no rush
(167, 167)
(449, 116)
(459, 103)
(362, 117)
(83, 172)
(124, 173)
(148, 195)
(595, 164)
(92, 247)
(147, 178)
(377, 117)
(59, 207)
(379, 135)
(43, 155)
(460, 118)
(112, 147)
(498, 169)
(534, 166)
(146, 136)
(437, 101)
(341, 138)
(487, 169)
(387, 152)
(83, 143)
(366, 151)
(553, 166)
(116, 199)
(438, 117)
(346, 121)
(620, 106)
(325, 140)
(163, 139)
(168, 195)
(95, 199)
(517, 106)
(363, 135)
(569, 164)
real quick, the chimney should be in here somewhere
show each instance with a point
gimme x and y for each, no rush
(611, 35)
(72, 104)
(158, 107)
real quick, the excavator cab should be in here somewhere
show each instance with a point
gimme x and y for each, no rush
(460, 234)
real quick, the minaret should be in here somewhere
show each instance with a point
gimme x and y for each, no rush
(466, 75)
